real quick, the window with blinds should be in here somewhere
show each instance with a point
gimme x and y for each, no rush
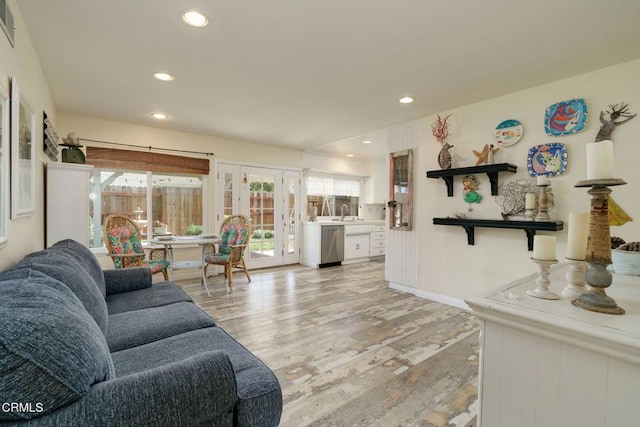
(332, 196)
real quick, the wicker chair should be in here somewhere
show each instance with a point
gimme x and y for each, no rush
(124, 246)
(235, 232)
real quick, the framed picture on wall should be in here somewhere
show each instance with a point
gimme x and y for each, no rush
(23, 123)
(4, 165)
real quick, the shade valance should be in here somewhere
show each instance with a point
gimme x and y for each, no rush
(113, 158)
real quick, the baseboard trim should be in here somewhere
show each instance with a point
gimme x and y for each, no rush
(443, 299)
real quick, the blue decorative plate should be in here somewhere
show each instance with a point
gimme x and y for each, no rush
(508, 133)
(547, 159)
(566, 117)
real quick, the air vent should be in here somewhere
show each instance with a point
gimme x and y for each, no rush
(6, 21)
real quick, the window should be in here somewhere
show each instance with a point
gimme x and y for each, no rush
(333, 196)
(159, 203)
(162, 193)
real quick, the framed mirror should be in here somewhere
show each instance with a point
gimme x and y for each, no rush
(4, 165)
(400, 190)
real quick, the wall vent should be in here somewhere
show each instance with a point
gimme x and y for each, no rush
(6, 21)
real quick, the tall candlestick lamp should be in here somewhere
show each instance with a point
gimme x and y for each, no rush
(598, 255)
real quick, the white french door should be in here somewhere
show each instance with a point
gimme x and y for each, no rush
(270, 198)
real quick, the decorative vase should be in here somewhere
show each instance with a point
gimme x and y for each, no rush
(444, 157)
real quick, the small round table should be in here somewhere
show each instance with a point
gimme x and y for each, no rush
(170, 242)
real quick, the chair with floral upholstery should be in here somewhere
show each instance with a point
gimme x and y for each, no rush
(124, 245)
(234, 239)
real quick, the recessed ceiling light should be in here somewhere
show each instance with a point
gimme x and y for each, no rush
(366, 142)
(406, 100)
(349, 155)
(159, 116)
(163, 76)
(195, 19)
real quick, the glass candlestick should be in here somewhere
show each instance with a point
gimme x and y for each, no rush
(543, 282)
(599, 249)
(543, 204)
(575, 277)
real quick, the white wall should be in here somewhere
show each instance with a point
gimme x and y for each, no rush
(445, 264)
(26, 234)
(336, 165)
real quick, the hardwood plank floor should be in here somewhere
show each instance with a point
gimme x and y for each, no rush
(350, 351)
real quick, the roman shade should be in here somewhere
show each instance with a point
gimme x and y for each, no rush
(113, 158)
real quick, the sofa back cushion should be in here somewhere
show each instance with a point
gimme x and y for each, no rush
(86, 258)
(67, 270)
(51, 349)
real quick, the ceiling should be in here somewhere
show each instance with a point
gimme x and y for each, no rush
(308, 73)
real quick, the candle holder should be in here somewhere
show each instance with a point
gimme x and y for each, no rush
(543, 204)
(543, 282)
(598, 249)
(529, 214)
(575, 277)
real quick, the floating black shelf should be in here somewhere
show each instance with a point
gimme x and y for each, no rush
(529, 227)
(491, 170)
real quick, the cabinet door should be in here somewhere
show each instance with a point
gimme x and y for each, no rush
(68, 190)
(356, 246)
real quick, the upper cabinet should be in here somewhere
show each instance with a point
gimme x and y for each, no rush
(376, 187)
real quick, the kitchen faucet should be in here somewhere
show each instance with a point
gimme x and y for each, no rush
(344, 205)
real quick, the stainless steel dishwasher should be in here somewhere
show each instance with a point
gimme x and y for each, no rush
(332, 245)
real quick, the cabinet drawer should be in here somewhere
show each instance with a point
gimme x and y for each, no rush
(378, 228)
(377, 244)
(378, 235)
(376, 251)
(356, 229)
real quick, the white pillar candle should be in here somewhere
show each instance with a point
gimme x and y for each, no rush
(542, 180)
(600, 160)
(544, 248)
(530, 201)
(578, 235)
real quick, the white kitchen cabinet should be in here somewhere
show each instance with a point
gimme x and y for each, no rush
(548, 363)
(67, 200)
(376, 186)
(356, 246)
(377, 241)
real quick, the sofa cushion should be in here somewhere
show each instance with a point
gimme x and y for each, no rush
(162, 293)
(259, 393)
(86, 258)
(68, 271)
(51, 349)
(133, 328)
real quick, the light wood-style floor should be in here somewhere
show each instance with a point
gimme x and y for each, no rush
(349, 351)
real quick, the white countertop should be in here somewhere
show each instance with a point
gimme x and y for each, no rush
(348, 222)
(509, 304)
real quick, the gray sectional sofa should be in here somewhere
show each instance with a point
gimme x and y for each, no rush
(86, 347)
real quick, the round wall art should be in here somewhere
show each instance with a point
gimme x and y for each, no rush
(566, 117)
(547, 159)
(508, 133)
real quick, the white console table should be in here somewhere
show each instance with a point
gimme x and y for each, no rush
(547, 363)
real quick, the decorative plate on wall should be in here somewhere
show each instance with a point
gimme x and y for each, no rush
(566, 117)
(508, 133)
(547, 159)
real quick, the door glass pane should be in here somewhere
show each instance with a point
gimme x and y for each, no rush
(177, 205)
(227, 202)
(261, 205)
(291, 221)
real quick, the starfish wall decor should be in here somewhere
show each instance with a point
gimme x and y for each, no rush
(486, 155)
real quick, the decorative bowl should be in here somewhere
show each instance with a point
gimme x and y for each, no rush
(625, 262)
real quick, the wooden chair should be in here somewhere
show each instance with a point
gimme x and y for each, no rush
(124, 245)
(235, 232)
